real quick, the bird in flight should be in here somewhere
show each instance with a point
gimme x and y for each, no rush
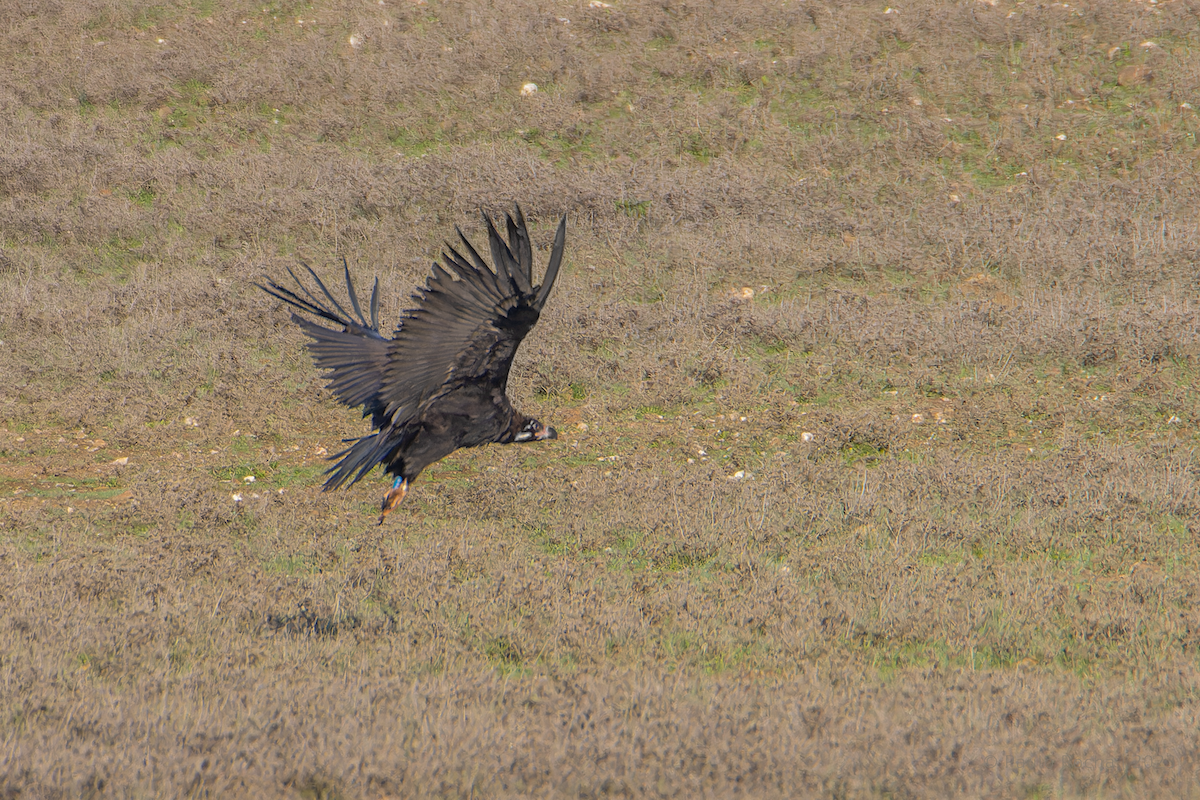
(439, 383)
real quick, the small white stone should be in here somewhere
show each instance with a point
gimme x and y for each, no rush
(1174, 420)
(122, 461)
(1062, 137)
(237, 498)
(248, 479)
(529, 89)
(918, 418)
(806, 436)
(356, 41)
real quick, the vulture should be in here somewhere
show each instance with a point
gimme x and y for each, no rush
(439, 382)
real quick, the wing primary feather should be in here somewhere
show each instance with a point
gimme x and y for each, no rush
(291, 298)
(465, 271)
(375, 305)
(479, 284)
(437, 274)
(556, 254)
(522, 252)
(525, 246)
(280, 293)
(328, 294)
(502, 257)
(313, 305)
(481, 266)
(316, 303)
(354, 296)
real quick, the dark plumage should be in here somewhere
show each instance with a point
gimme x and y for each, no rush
(439, 383)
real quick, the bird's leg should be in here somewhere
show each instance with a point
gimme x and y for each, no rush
(393, 497)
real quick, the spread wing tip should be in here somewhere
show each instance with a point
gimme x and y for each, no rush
(556, 254)
(312, 304)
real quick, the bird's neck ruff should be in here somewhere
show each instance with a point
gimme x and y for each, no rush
(519, 422)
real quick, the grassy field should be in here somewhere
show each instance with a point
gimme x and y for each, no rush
(874, 360)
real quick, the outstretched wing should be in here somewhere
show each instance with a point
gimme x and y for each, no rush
(467, 330)
(464, 330)
(355, 356)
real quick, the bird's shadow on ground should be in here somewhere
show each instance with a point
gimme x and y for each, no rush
(305, 621)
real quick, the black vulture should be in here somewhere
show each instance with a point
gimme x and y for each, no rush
(439, 383)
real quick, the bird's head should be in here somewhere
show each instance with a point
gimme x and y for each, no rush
(535, 431)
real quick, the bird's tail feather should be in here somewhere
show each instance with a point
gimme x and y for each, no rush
(360, 457)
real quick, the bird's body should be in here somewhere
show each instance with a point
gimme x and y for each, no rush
(439, 384)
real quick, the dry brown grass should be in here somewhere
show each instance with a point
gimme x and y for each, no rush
(977, 577)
